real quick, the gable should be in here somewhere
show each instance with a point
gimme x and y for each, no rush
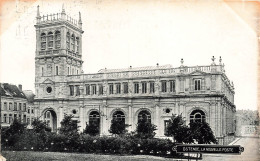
(48, 81)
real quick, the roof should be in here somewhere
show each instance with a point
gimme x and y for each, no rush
(29, 95)
(10, 90)
(136, 68)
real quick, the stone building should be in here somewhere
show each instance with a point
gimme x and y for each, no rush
(14, 105)
(154, 92)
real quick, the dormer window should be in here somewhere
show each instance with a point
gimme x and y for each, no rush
(57, 39)
(50, 40)
(43, 41)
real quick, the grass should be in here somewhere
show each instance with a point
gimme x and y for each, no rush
(58, 156)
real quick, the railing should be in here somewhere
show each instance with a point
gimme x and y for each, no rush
(57, 17)
(147, 73)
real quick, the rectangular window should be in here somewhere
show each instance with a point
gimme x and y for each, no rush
(20, 106)
(144, 87)
(5, 118)
(151, 87)
(118, 88)
(77, 90)
(24, 118)
(100, 89)
(10, 118)
(72, 90)
(111, 88)
(136, 87)
(28, 120)
(15, 116)
(125, 87)
(87, 89)
(32, 111)
(94, 89)
(10, 106)
(172, 86)
(24, 107)
(164, 86)
(28, 110)
(197, 84)
(15, 106)
(5, 105)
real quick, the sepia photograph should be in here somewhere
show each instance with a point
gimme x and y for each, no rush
(129, 80)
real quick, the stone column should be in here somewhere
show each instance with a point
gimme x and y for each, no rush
(130, 118)
(104, 123)
(60, 116)
(157, 117)
(81, 118)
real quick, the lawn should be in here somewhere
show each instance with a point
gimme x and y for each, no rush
(56, 156)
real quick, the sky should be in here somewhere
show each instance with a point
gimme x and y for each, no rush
(119, 34)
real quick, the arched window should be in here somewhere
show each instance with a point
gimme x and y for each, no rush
(57, 70)
(50, 40)
(50, 118)
(94, 118)
(57, 39)
(119, 115)
(77, 44)
(72, 43)
(43, 41)
(197, 116)
(144, 115)
(68, 40)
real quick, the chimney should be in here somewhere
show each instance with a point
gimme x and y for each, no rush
(20, 87)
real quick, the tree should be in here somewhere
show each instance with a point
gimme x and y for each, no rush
(145, 129)
(177, 128)
(40, 126)
(92, 129)
(202, 133)
(11, 135)
(69, 128)
(117, 127)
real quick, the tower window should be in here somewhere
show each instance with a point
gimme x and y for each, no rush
(50, 40)
(77, 44)
(77, 90)
(68, 40)
(68, 70)
(73, 43)
(42, 72)
(57, 70)
(43, 41)
(71, 90)
(57, 39)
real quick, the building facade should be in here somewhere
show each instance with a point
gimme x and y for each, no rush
(14, 105)
(155, 92)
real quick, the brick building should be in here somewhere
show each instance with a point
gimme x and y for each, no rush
(155, 92)
(14, 105)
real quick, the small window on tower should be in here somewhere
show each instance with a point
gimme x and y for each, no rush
(50, 40)
(68, 40)
(57, 70)
(57, 39)
(43, 41)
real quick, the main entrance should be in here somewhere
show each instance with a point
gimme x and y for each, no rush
(50, 118)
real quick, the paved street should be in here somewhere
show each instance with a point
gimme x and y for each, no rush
(251, 152)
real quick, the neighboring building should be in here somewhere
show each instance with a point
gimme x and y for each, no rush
(155, 92)
(30, 106)
(247, 122)
(14, 104)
